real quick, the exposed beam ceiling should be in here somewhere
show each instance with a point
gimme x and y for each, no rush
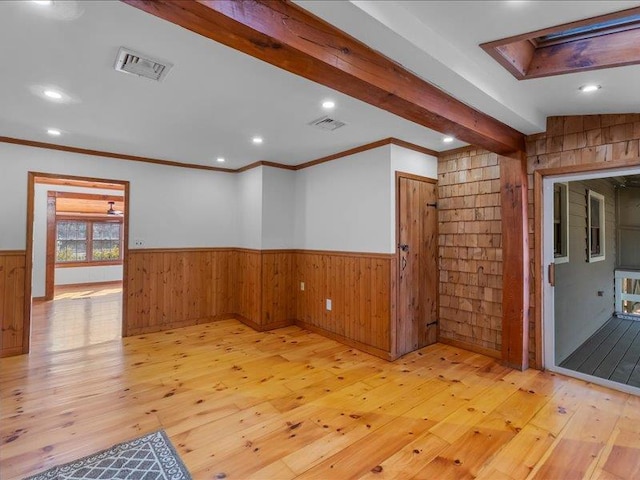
(287, 36)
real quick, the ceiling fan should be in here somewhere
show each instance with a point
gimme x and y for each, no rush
(111, 211)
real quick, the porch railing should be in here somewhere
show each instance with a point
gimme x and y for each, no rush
(627, 292)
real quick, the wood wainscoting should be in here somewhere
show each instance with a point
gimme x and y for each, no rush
(280, 288)
(360, 287)
(246, 287)
(170, 288)
(12, 302)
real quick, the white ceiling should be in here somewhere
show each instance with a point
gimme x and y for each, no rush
(215, 99)
(439, 41)
(211, 103)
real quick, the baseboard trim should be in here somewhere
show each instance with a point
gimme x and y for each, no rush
(263, 328)
(11, 352)
(132, 332)
(471, 347)
(377, 352)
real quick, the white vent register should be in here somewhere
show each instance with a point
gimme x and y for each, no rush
(327, 123)
(136, 63)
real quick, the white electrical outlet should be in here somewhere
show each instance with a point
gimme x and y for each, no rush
(328, 304)
(302, 286)
(138, 243)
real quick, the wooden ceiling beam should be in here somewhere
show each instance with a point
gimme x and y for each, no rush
(289, 37)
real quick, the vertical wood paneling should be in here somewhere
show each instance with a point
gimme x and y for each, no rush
(248, 282)
(278, 289)
(12, 301)
(359, 286)
(174, 288)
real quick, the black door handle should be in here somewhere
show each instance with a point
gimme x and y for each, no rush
(404, 247)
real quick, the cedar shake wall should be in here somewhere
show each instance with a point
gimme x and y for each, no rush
(469, 218)
(470, 248)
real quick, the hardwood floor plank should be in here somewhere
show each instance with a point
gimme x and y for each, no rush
(583, 439)
(291, 404)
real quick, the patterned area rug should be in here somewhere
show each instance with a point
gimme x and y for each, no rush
(151, 457)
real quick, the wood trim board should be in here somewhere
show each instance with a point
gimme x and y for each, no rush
(36, 177)
(102, 153)
(471, 347)
(95, 183)
(347, 341)
(50, 270)
(82, 183)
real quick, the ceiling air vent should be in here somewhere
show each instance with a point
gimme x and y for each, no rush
(135, 63)
(327, 123)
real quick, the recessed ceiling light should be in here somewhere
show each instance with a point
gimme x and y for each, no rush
(220, 159)
(256, 140)
(43, 2)
(448, 139)
(53, 94)
(54, 132)
(328, 104)
(592, 87)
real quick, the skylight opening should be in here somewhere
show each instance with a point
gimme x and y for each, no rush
(606, 41)
(589, 31)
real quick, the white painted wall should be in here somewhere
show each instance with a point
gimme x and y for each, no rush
(278, 208)
(74, 276)
(342, 205)
(66, 275)
(169, 206)
(410, 161)
(345, 204)
(249, 201)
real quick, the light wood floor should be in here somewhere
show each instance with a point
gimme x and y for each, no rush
(292, 404)
(77, 317)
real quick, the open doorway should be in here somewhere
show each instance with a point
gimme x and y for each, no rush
(77, 240)
(591, 225)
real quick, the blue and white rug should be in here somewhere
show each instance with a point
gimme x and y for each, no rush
(151, 457)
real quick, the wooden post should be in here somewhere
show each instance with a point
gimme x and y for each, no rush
(515, 261)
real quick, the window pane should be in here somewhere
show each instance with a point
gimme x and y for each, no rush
(106, 241)
(595, 212)
(595, 241)
(106, 231)
(71, 241)
(560, 226)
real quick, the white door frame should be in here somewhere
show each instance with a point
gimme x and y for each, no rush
(548, 311)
